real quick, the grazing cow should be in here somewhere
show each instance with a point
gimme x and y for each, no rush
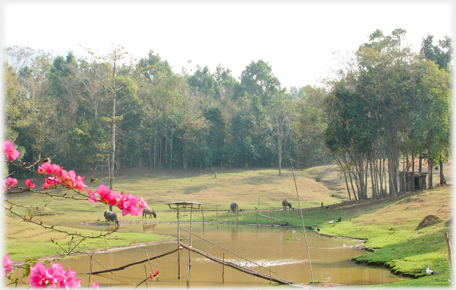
(149, 211)
(285, 203)
(234, 207)
(111, 216)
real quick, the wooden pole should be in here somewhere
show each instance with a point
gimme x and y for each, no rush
(237, 215)
(90, 270)
(271, 217)
(258, 209)
(145, 272)
(223, 269)
(188, 270)
(178, 246)
(189, 260)
(202, 212)
(216, 215)
(156, 267)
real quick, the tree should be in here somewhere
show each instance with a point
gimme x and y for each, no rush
(282, 116)
(432, 127)
(216, 134)
(258, 80)
(440, 54)
(19, 56)
(310, 125)
(113, 61)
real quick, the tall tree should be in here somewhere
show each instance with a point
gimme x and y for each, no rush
(113, 60)
(282, 115)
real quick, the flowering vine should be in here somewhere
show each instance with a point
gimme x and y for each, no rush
(55, 176)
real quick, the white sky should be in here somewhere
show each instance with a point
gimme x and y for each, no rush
(296, 39)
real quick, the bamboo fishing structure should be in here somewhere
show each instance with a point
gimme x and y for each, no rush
(177, 205)
(237, 267)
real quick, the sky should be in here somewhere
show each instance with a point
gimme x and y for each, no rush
(297, 39)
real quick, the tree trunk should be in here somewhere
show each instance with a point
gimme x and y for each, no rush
(430, 165)
(113, 131)
(442, 177)
(279, 144)
(413, 171)
(171, 151)
(155, 152)
(166, 147)
(420, 163)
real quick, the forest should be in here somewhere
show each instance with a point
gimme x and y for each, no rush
(385, 107)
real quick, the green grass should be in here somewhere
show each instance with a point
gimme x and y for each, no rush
(25, 240)
(389, 225)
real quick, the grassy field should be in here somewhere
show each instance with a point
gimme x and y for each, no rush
(389, 225)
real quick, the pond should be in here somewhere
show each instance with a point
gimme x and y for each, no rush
(282, 250)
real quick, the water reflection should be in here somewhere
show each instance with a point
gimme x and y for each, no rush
(281, 250)
(148, 228)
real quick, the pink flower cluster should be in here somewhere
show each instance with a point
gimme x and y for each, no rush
(8, 149)
(152, 276)
(53, 277)
(7, 262)
(10, 182)
(29, 183)
(68, 179)
(128, 203)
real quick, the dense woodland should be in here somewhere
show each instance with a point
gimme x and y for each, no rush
(385, 107)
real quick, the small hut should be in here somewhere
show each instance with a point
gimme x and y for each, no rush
(413, 181)
(419, 181)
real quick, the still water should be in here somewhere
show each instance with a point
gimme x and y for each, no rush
(283, 250)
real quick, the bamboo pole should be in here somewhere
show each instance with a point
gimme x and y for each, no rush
(202, 212)
(131, 264)
(302, 221)
(237, 215)
(189, 259)
(258, 209)
(188, 270)
(178, 245)
(90, 269)
(145, 272)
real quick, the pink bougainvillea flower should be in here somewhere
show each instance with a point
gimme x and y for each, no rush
(48, 168)
(128, 205)
(10, 182)
(93, 196)
(8, 149)
(70, 280)
(7, 262)
(152, 276)
(53, 277)
(29, 183)
(39, 277)
(95, 285)
(143, 203)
